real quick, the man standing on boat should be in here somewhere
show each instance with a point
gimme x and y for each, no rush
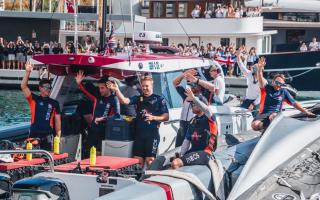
(186, 112)
(105, 105)
(45, 112)
(151, 110)
(272, 98)
(201, 135)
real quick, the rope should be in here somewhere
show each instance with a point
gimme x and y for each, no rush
(307, 70)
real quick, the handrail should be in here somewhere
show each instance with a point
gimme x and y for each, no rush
(34, 151)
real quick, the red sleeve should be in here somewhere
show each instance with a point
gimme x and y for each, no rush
(29, 99)
(212, 144)
(93, 98)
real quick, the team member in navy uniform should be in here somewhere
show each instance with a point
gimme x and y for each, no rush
(105, 104)
(186, 112)
(45, 112)
(151, 111)
(201, 134)
(272, 98)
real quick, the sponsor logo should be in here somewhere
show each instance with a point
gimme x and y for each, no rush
(142, 35)
(283, 196)
(192, 157)
(140, 65)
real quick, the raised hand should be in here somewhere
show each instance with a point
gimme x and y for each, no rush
(112, 86)
(261, 63)
(190, 71)
(80, 76)
(29, 66)
(189, 93)
(191, 78)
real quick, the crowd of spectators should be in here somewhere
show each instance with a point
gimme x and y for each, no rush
(226, 55)
(225, 11)
(313, 46)
(14, 54)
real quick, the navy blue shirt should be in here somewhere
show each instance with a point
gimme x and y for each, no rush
(43, 111)
(102, 106)
(202, 134)
(154, 105)
(272, 100)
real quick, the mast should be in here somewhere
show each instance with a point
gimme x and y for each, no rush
(103, 25)
(75, 15)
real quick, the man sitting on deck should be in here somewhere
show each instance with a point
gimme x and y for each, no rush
(45, 112)
(201, 134)
(272, 98)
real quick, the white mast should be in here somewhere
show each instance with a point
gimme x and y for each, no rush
(75, 26)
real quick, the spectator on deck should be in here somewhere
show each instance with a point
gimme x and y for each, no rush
(196, 12)
(2, 56)
(314, 45)
(219, 12)
(303, 47)
(11, 55)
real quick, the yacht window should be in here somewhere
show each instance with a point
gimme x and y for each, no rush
(183, 9)
(225, 41)
(171, 9)
(240, 42)
(158, 9)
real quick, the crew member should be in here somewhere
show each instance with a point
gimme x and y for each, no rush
(202, 135)
(272, 98)
(105, 104)
(45, 112)
(217, 88)
(151, 110)
(252, 98)
(186, 112)
(129, 90)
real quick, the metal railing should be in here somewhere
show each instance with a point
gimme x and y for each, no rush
(43, 152)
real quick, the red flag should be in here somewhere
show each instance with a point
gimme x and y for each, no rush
(70, 6)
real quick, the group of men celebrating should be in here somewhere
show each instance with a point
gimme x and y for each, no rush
(198, 130)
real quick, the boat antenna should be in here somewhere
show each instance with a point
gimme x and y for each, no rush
(124, 29)
(189, 38)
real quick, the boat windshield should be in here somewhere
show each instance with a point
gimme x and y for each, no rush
(70, 92)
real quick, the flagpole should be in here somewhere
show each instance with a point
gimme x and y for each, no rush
(75, 26)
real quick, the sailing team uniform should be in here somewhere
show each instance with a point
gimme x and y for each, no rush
(271, 102)
(102, 107)
(202, 134)
(147, 136)
(43, 112)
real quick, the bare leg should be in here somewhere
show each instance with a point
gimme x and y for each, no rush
(176, 163)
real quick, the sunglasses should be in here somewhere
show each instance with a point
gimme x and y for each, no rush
(193, 85)
(47, 87)
(278, 83)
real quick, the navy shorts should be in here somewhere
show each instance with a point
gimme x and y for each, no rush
(195, 158)
(264, 118)
(146, 146)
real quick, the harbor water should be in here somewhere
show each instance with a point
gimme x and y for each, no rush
(14, 108)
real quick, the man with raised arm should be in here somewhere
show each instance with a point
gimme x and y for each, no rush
(186, 112)
(201, 135)
(217, 88)
(45, 112)
(151, 110)
(105, 104)
(272, 98)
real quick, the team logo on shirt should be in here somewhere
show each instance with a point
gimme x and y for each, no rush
(41, 103)
(195, 136)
